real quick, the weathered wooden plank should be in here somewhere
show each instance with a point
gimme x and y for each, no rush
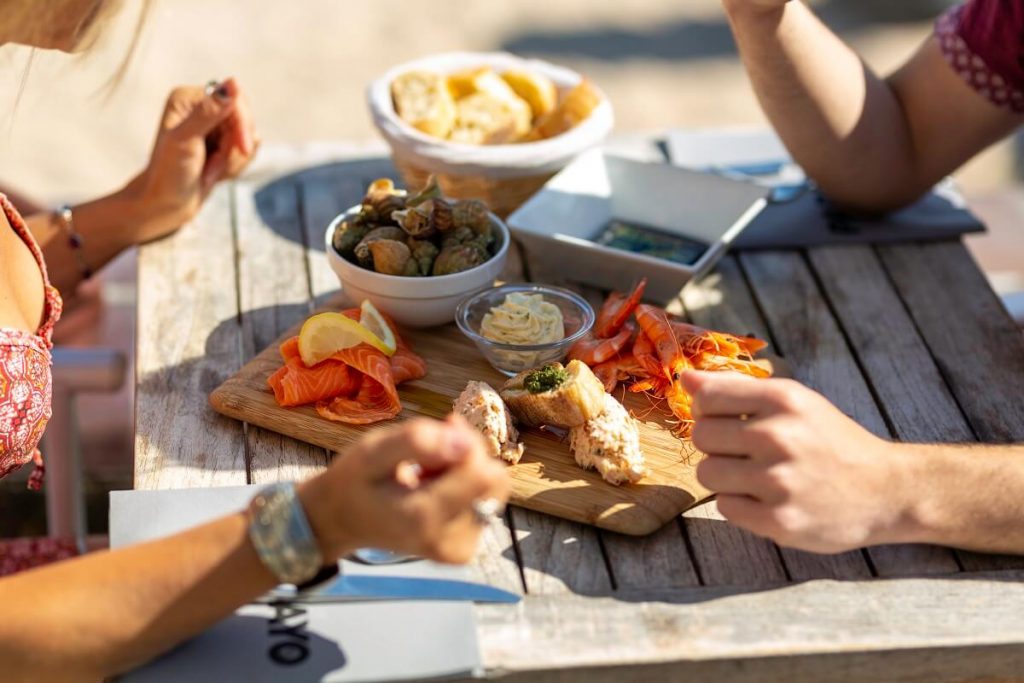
(725, 554)
(1000, 664)
(318, 206)
(805, 332)
(882, 629)
(274, 294)
(557, 555)
(188, 343)
(977, 347)
(277, 160)
(910, 392)
(497, 560)
(660, 560)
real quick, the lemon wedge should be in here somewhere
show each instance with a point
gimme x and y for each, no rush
(371, 319)
(325, 334)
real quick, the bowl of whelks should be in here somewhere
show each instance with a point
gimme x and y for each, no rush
(415, 256)
(490, 126)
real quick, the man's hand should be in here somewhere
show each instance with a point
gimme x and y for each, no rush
(788, 465)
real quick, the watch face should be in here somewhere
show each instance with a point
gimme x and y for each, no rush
(282, 536)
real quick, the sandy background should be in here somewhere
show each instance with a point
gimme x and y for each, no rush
(305, 64)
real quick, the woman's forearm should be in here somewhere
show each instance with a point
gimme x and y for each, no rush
(842, 123)
(107, 225)
(103, 613)
(966, 496)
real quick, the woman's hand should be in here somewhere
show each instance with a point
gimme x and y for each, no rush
(408, 488)
(202, 139)
(788, 465)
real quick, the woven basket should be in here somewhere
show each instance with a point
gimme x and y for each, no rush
(503, 176)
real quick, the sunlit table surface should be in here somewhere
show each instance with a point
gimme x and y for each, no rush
(908, 339)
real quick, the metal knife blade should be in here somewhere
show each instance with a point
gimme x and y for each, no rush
(363, 588)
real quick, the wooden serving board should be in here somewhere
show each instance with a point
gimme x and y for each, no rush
(546, 479)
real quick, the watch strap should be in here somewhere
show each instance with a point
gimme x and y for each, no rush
(282, 536)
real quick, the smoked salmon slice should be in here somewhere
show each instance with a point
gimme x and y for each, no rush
(377, 398)
(294, 384)
(406, 366)
(356, 385)
(373, 403)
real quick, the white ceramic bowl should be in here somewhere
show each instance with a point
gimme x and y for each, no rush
(415, 301)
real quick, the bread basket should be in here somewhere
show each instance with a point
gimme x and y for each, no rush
(503, 176)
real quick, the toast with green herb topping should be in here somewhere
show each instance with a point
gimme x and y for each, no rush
(555, 395)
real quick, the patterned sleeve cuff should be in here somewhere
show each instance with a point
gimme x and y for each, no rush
(971, 67)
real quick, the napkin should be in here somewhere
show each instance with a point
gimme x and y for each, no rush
(371, 641)
(808, 219)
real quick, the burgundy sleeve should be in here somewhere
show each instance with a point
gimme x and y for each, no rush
(983, 41)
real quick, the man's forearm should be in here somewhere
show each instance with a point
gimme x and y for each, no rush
(98, 615)
(966, 496)
(842, 123)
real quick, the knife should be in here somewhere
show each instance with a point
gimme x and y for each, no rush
(361, 588)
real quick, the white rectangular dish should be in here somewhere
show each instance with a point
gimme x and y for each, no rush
(559, 227)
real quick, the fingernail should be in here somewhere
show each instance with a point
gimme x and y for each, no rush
(457, 445)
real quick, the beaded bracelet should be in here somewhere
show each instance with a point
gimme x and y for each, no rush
(67, 221)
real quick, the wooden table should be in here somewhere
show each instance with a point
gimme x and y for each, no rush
(907, 339)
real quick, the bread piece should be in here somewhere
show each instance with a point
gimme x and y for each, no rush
(538, 91)
(579, 397)
(610, 443)
(482, 120)
(483, 408)
(574, 108)
(484, 81)
(464, 83)
(423, 101)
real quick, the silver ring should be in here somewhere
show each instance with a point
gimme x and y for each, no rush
(487, 509)
(211, 87)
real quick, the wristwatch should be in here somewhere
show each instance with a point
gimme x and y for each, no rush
(283, 539)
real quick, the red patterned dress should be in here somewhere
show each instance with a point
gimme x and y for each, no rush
(983, 41)
(25, 393)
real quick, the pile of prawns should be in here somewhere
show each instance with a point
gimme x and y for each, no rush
(651, 352)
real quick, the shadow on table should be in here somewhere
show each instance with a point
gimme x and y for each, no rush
(691, 39)
(184, 389)
(249, 647)
(535, 549)
(319, 193)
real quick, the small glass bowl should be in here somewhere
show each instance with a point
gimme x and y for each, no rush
(511, 359)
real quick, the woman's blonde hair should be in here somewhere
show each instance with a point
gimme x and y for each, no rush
(34, 21)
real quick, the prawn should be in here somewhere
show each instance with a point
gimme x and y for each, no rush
(613, 371)
(655, 326)
(695, 339)
(594, 350)
(616, 311)
(643, 353)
